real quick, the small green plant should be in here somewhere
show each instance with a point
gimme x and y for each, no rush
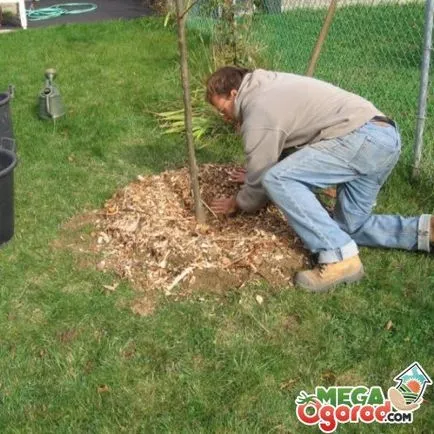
(206, 122)
(231, 35)
(203, 124)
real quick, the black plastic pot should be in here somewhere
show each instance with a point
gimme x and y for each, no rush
(7, 140)
(8, 161)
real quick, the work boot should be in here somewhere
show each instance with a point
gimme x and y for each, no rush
(326, 276)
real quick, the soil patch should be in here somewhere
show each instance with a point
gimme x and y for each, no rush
(147, 233)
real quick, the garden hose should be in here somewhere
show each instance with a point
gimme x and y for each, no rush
(59, 10)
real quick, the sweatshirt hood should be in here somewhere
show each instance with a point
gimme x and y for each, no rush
(251, 83)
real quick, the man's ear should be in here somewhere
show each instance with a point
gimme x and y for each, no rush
(234, 93)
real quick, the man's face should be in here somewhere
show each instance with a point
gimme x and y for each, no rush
(225, 105)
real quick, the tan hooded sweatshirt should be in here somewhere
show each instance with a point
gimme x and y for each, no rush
(279, 111)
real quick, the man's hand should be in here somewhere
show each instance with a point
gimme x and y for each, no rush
(225, 205)
(237, 175)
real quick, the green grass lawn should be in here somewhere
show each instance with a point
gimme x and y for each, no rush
(73, 358)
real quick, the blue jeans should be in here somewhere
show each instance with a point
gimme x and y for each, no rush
(359, 163)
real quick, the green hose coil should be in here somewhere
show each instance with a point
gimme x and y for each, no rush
(59, 10)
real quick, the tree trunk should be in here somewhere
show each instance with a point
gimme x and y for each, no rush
(182, 44)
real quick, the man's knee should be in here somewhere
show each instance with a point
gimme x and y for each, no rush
(350, 223)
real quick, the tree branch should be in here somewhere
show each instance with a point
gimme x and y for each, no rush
(188, 9)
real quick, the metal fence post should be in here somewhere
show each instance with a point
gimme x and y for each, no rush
(424, 81)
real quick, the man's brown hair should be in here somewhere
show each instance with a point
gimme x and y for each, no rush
(222, 81)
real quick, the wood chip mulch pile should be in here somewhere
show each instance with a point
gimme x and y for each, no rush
(148, 234)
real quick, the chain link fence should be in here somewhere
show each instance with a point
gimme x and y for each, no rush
(373, 48)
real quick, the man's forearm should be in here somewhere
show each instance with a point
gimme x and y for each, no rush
(251, 199)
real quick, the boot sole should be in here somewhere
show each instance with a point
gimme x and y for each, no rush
(350, 279)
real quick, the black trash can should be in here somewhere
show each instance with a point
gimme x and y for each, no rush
(8, 161)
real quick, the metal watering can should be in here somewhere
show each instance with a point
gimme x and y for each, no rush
(50, 102)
